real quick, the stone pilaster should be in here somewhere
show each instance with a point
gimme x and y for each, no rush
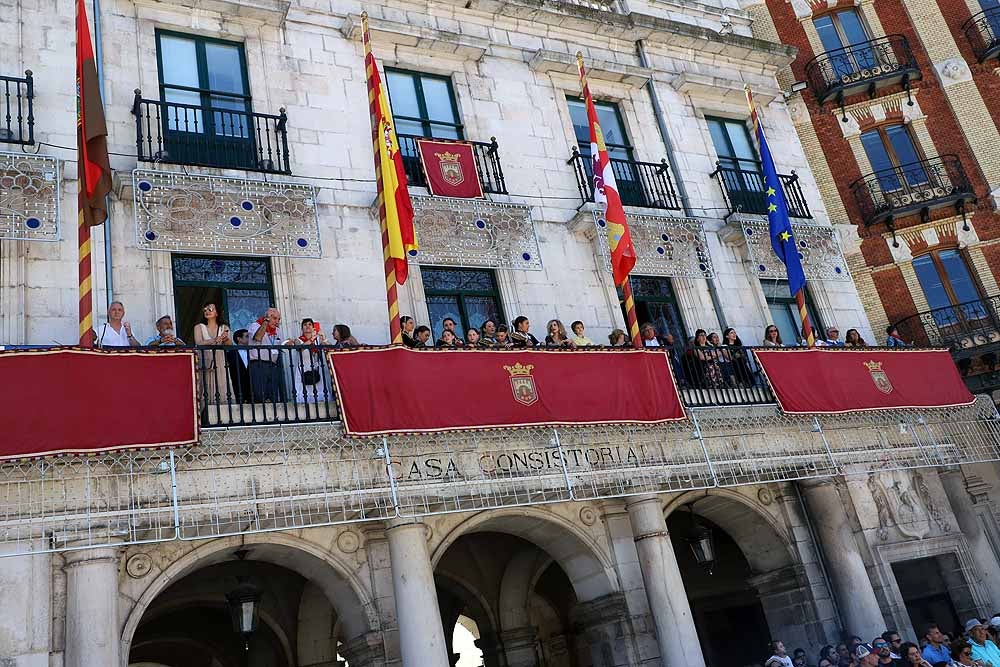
(519, 646)
(365, 650)
(604, 624)
(92, 625)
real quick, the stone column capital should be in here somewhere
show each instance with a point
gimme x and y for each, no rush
(513, 637)
(366, 649)
(592, 614)
(82, 555)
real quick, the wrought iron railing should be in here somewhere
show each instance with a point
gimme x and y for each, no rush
(853, 68)
(927, 184)
(646, 184)
(17, 113)
(487, 163)
(210, 136)
(964, 328)
(745, 192)
(983, 33)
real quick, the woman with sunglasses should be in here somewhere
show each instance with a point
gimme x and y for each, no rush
(772, 337)
(962, 651)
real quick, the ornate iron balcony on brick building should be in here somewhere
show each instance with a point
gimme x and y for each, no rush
(211, 135)
(921, 186)
(870, 65)
(17, 117)
(744, 191)
(645, 184)
(983, 33)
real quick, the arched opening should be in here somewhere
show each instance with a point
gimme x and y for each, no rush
(753, 587)
(307, 612)
(537, 593)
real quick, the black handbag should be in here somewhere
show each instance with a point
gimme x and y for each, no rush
(310, 377)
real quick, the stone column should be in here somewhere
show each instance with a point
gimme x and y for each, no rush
(421, 637)
(519, 646)
(675, 631)
(92, 627)
(859, 609)
(973, 521)
(26, 621)
(606, 625)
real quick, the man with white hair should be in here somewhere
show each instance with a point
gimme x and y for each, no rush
(265, 365)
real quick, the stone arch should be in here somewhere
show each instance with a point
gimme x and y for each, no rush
(519, 579)
(345, 591)
(476, 603)
(765, 544)
(587, 565)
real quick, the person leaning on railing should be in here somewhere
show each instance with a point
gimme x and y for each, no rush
(853, 339)
(307, 363)
(772, 337)
(520, 337)
(165, 336)
(579, 339)
(116, 332)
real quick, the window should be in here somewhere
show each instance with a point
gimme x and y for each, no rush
(612, 127)
(785, 312)
(655, 302)
(739, 167)
(205, 83)
(468, 296)
(839, 30)
(423, 105)
(240, 287)
(892, 154)
(946, 283)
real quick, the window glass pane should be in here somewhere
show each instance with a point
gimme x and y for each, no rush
(445, 132)
(413, 127)
(241, 271)
(930, 282)
(457, 280)
(903, 146)
(740, 138)
(783, 317)
(879, 158)
(402, 94)
(578, 114)
(828, 33)
(611, 125)
(244, 306)
(853, 29)
(183, 119)
(478, 309)
(958, 275)
(440, 307)
(180, 61)
(666, 317)
(437, 99)
(225, 68)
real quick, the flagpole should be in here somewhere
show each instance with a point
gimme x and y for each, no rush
(630, 317)
(391, 293)
(85, 282)
(807, 330)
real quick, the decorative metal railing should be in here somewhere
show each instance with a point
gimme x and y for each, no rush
(745, 192)
(646, 184)
(842, 72)
(211, 136)
(17, 114)
(983, 33)
(965, 328)
(927, 184)
(487, 163)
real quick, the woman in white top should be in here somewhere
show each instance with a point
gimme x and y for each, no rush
(308, 364)
(115, 332)
(778, 657)
(212, 330)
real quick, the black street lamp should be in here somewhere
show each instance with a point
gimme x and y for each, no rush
(701, 540)
(244, 607)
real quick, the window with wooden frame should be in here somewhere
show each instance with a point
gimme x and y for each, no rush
(894, 156)
(948, 286)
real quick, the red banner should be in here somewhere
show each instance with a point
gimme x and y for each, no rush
(400, 390)
(831, 381)
(450, 167)
(83, 401)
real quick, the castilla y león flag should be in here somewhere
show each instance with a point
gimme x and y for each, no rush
(450, 167)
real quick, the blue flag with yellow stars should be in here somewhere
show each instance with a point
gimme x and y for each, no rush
(782, 239)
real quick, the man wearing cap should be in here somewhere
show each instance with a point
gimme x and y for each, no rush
(865, 656)
(983, 649)
(935, 651)
(995, 628)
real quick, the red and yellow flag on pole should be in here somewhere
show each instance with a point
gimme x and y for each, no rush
(92, 164)
(606, 195)
(395, 210)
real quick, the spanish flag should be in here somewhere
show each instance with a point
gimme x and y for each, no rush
(92, 163)
(394, 207)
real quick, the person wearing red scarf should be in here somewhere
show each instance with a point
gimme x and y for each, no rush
(265, 365)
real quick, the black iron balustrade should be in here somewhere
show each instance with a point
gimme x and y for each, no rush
(646, 184)
(916, 186)
(17, 112)
(719, 376)
(968, 329)
(486, 156)
(211, 136)
(859, 67)
(982, 31)
(744, 190)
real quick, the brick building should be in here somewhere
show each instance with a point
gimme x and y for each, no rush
(898, 105)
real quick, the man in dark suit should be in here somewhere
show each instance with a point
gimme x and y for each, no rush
(239, 368)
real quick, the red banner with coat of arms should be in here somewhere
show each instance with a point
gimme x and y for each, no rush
(450, 167)
(401, 390)
(832, 381)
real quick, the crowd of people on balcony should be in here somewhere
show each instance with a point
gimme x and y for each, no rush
(974, 646)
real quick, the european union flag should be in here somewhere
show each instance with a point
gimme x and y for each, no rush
(782, 239)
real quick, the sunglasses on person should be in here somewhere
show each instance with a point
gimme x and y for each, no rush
(967, 652)
(881, 644)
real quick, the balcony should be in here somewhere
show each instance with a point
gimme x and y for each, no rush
(487, 163)
(918, 186)
(982, 31)
(17, 117)
(211, 135)
(870, 65)
(744, 191)
(644, 184)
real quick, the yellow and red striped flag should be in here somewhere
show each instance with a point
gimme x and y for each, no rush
(394, 207)
(606, 195)
(92, 164)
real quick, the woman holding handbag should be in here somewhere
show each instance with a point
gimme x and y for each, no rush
(307, 364)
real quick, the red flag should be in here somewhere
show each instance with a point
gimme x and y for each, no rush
(606, 192)
(450, 167)
(92, 130)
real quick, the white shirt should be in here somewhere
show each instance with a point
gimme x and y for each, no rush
(244, 357)
(650, 342)
(268, 339)
(108, 337)
(775, 661)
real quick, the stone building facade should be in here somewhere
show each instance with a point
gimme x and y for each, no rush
(241, 145)
(896, 104)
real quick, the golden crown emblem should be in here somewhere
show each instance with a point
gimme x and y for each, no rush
(447, 157)
(873, 365)
(519, 369)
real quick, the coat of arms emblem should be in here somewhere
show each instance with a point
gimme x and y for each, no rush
(879, 377)
(522, 384)
(451, 168)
